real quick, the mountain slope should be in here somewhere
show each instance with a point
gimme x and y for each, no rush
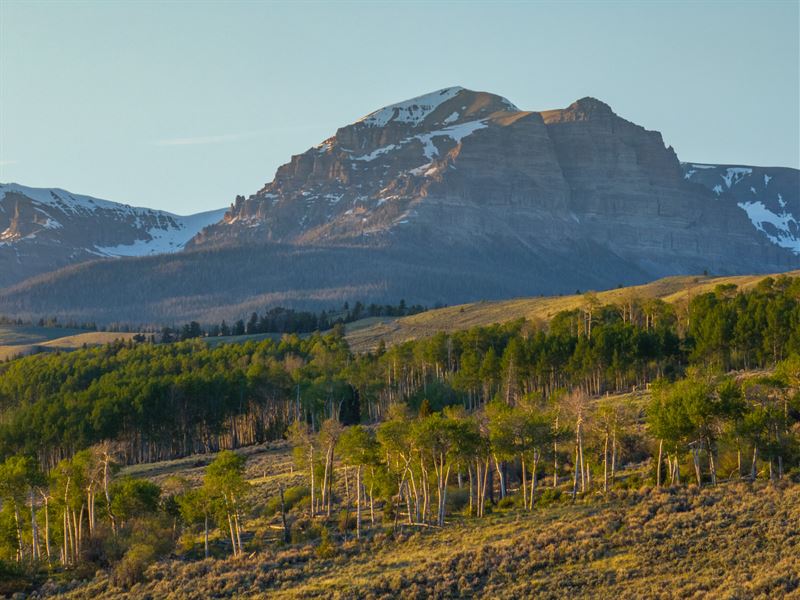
(42, 229)
(767, 194)
(450, 197)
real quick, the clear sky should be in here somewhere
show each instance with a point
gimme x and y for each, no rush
(181, 106)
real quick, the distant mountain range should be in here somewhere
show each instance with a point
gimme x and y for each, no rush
(449, 197)
(43, 229)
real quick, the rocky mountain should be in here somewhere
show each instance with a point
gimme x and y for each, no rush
(453, 196)
(767, 194)
(458, 164)
(43, 229)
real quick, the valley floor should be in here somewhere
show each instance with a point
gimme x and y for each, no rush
(734, 541)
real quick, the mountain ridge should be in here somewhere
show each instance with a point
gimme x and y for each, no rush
(46, 228)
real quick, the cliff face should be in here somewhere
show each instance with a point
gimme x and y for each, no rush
(470, 169)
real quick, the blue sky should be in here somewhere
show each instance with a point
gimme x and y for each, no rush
(182, 105)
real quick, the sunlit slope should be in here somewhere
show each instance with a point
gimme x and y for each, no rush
(452, 318)
(23, 340)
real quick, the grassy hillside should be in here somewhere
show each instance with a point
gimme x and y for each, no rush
(14, 335)
(674, 290)
(21, 340)
(728, 528)
(737, 540)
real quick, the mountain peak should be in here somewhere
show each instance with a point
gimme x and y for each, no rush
(585, 109)
(416, 110)
(412, 111)
(588, 103)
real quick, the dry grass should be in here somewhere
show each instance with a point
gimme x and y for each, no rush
(733, 541)
(9, 352)
(737, 540)
(266, 463)
(453, 318)
(22, 341)
(91, 338)
(12, 335)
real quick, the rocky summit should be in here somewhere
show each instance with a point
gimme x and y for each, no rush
(455, 196)
(469, 169)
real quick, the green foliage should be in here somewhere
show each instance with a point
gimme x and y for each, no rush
(195, 505)
(134, 498)
(326, 548)
(295, 496)
(14, 577)
(358, 446)
(175, 398)
(130, 569)
(550, 496)
(507, 502)
(145, 541)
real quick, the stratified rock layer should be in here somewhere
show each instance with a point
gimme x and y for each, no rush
(470, 169)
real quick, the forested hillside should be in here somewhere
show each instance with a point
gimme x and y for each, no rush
(419, 436)
(540, 310)
(164, 401)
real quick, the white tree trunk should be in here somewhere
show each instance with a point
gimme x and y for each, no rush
(358, 502)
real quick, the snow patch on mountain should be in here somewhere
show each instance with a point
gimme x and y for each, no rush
(61, 199)
(376, 153)
(412, 111)
(452, 117)
(454, 132)
(429, 149)
(781, 229)
(734, 174)
(415, 110)
(160, 240)
(156, 231)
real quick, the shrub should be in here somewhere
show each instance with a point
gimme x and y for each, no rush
(295, 494)
(292, 497)
(304, 530)
(631, 482)
(457, 499)
(130, 570)
(12, 577)
(507, 502)
(549, 496)
(326, 548)
(346, 520)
